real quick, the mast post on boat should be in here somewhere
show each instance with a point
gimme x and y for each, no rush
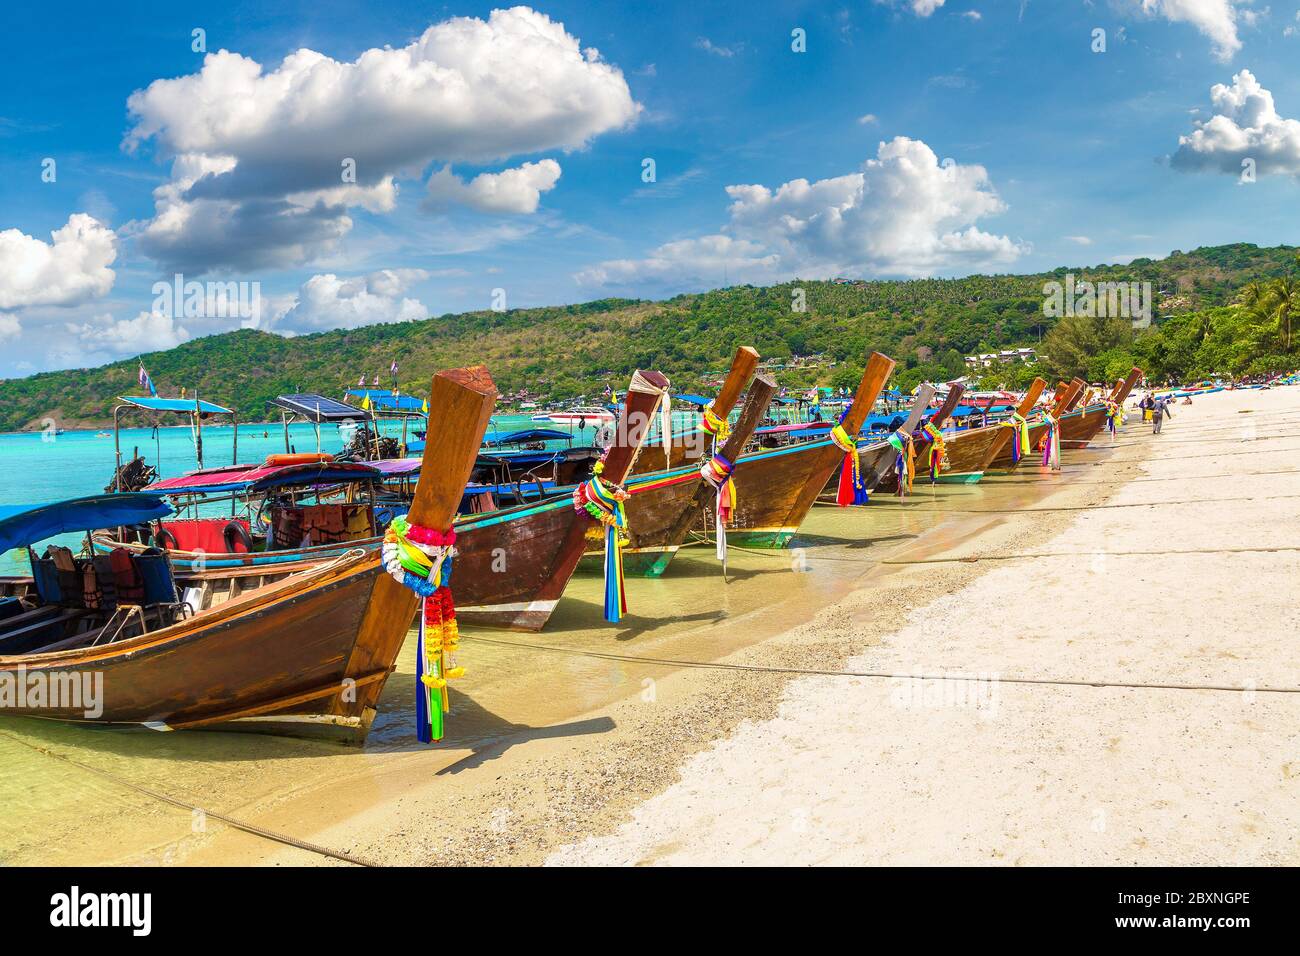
(466, 398)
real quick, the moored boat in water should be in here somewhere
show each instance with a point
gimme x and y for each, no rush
(309, 652)
(776, 487)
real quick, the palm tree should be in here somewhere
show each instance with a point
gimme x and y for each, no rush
(1284, 303)
(1252, 294)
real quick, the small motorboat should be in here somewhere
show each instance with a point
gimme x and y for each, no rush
(582, 417)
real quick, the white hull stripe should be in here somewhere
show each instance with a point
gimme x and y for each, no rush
(525, 606)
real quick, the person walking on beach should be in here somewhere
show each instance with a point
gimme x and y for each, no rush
(1158, 414)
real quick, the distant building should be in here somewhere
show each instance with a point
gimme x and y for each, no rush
(1004, 357)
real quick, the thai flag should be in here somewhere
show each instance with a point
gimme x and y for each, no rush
(361, 382)
(392, 369)
(147, 382)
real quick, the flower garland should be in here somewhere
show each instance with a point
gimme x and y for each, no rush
(1114, 417)
(1019, 435)
(852, 489)
(603, 501)
(905, 462)
(420, 559)
(938, 450)
(1052, 442)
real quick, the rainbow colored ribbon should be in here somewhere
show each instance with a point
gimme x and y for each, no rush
(852, 489)
(938, 450)
(604, 502)
(1019, 437)
(905, 462)
(717, 472)
(1052, 442)
(715, 426)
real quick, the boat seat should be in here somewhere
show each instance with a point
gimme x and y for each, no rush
(10, 606)
(35, 628)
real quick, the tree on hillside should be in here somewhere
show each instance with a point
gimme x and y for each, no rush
(1072, 346)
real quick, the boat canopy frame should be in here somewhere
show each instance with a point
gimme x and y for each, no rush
(195, 409)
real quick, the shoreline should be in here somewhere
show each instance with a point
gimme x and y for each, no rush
(548, 791)
(574, 746)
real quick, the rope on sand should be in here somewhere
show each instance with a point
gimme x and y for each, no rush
(975, 558)
(875, 675)
(229, 821)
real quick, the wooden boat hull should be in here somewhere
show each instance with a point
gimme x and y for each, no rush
(513, 565)
(968, 453)
(775, 489)
(653, 510)
(1077, 430)
(249, 659)
(313, 649)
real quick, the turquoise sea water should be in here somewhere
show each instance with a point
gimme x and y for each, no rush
(37, 468)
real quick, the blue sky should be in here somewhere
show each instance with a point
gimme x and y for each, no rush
(911, 137)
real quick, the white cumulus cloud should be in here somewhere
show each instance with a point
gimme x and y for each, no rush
(903, 213)
(1215, 19)
(259, 154)
(510, 191)
(329, 301)
(71, 269)
(9, 327)
(147, 332)
(1245, 125)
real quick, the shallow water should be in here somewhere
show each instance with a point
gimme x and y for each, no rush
(57, 812)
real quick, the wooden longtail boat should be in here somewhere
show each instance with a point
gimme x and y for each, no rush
(1078, 431)
(310, 651)
(659, 499)
(514, 564)
(877, 458)
(1004, 439)
(1038, 429)
(777, 487)
(664, 506)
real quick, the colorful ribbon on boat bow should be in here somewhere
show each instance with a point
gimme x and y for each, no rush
(1020, 435)
(420, 559)
(715, 426)
(717, 472)
(1114, 416)
(1052, 442)
(604, 502)
(852, 489)
(905, 462)
(938, 451)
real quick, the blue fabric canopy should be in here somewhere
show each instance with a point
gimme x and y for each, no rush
(173, 404)
(692, 399)
(386, 401)
(528, 434)
(21, 525)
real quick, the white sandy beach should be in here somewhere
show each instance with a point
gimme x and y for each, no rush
(1166, 583)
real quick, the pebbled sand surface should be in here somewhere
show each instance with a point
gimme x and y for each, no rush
(854, 770)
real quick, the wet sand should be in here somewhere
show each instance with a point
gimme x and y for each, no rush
(564, 749)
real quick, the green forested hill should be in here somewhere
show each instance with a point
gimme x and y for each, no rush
(928, 325)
